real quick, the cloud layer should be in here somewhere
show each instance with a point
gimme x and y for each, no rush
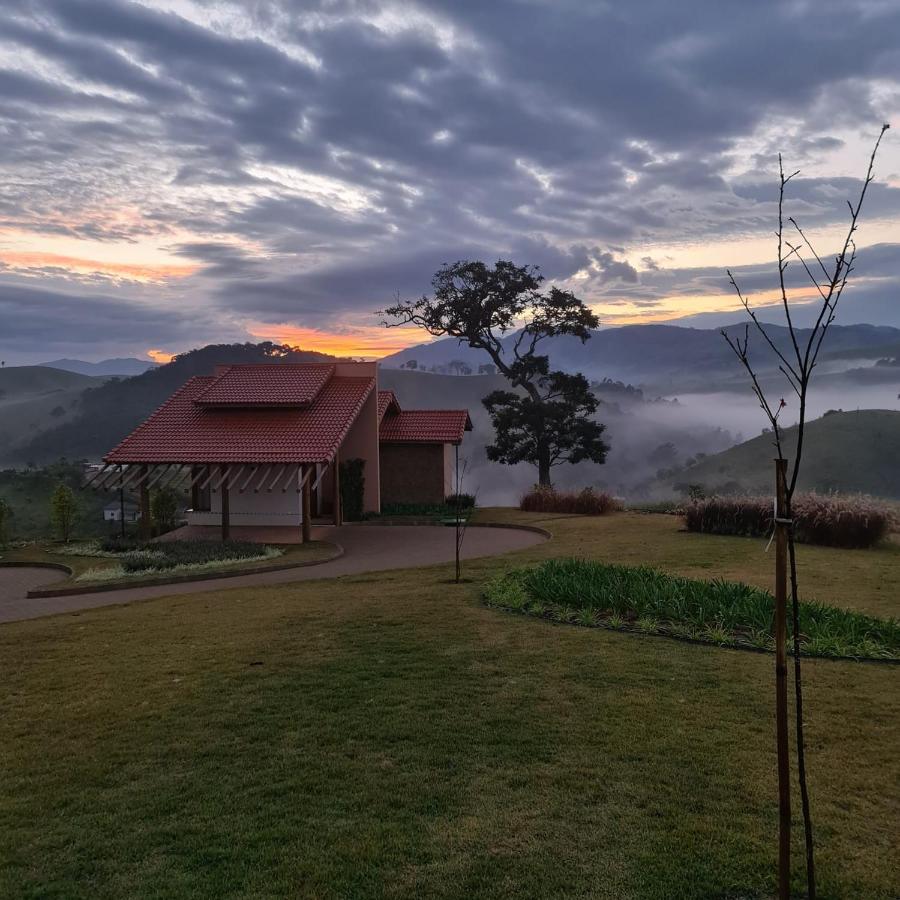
(221, 167)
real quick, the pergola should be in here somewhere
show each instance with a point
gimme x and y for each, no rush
(224, 477)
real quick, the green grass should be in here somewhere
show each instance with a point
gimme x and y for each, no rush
(720, 612)
(389, 736)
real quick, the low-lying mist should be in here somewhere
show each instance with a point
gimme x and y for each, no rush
(650, 438)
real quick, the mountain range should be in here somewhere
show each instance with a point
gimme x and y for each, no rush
(669, 358)
(122, 368)
(47, 413)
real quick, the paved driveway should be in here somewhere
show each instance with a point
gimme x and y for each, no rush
(368, 548)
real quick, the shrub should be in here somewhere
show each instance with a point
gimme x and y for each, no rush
(173, 554)
(720, 612)
(586, 502)
(137, 555)
(353, 488)
(422, 510)
(818, 519)
(164, 509)
(119, 544)
(464, 501)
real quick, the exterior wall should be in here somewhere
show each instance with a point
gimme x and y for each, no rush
(112, 515)
(413, 473)
(449, 469)
(276, 507)
(361, 442)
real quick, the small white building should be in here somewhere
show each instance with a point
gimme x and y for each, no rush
(112, 512)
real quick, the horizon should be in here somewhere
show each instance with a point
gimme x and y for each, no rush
(180, 175)
(151, 360)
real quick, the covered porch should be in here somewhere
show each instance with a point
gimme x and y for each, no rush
(236, 501)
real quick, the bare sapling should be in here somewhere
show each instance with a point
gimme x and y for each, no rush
(796, 364)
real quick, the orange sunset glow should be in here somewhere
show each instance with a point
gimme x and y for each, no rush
(160, 356)
(142, 272)
(369, 342)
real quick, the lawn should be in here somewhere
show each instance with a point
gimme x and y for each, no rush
(391, 736)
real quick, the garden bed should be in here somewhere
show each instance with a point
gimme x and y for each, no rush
(643, 599)
(96, 565)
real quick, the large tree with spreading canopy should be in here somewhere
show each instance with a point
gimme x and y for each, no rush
(548, 420)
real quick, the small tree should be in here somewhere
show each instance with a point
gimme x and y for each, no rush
(479, 305)
(164, 509)
(5, 515)
(63, 508)
(796, 365)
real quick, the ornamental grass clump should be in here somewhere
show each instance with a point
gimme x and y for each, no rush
(586, 502)
(832, 521)
(646, 600)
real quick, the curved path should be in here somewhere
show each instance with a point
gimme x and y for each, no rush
(368, 548)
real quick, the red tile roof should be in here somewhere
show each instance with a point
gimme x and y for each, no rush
(387, 400)
(183, 431)
(425, 426)
(291, 385)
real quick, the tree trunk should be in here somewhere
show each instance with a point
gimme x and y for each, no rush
(544, 468)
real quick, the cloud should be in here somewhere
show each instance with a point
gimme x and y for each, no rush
(313, 159)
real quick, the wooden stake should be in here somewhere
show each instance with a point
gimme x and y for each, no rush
(781, 709)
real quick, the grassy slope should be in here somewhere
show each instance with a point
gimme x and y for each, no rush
(30, 400)
(850, 452)
(389, 736)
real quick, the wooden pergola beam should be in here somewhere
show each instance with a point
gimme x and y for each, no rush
(276, 479)
(225, 470)
(96, 475)
(158, 475)
(249, 478)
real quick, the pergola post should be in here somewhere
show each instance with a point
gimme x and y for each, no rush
(145, 505)
(306, 506)
(336, 484)
(226, 512)
(195, 487)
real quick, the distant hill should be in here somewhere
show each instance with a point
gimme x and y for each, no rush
(109, 412)
(669, 358)
(850, 452)
(35, 399)
(122, 368)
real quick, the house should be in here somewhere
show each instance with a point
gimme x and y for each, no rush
(263, 445)
(113, 512)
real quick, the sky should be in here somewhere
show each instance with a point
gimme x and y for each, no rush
(181, 172)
